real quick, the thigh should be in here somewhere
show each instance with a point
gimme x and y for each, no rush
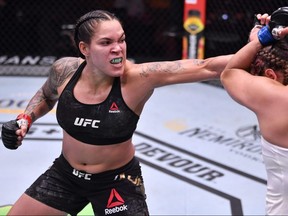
(124, 196)
(26, 205)
(133, 196)
(54, 188)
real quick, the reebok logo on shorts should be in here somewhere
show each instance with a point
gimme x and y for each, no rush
(115, 203)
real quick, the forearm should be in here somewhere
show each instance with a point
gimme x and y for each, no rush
(194, 70)
(39, 105)
(239, 63)
(245, 56)
(183, 71)
(207, 69)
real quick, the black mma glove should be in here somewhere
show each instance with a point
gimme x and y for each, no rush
(279, 20)
(8, 133)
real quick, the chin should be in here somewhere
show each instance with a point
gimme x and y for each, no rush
(118, 73)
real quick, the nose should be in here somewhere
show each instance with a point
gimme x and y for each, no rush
(117, 47)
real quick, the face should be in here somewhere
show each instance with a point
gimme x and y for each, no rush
(107, 50)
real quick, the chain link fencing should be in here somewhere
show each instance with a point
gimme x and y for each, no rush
(33, 33)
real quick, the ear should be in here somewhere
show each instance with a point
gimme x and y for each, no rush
(83, 47)
(271, 74)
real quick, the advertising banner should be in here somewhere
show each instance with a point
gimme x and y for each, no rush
(194, 24)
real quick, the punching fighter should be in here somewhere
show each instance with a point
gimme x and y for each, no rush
(100, 98)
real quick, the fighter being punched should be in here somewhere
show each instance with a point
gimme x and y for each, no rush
(257, 78)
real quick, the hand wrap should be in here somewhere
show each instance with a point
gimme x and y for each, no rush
(8, 133)
(265, 37)
(270, 34)
(25, 120)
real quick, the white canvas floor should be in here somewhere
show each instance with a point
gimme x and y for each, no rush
(199, 150)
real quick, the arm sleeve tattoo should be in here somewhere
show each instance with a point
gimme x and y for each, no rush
(48, 93)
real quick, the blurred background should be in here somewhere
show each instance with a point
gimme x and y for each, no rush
(43, 30)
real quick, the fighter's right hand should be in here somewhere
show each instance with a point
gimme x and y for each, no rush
(9, 136)
(14, 131)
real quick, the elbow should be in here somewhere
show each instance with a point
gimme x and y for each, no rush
(224, 76)
(218, 64)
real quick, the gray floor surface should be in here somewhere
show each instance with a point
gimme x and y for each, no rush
(199, 150)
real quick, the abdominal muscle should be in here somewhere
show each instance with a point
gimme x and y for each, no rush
(96, 158)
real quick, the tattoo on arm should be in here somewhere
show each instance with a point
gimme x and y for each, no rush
(59, 73)
(198, 62)
(34, 102)
(48, 93)
(161, 67)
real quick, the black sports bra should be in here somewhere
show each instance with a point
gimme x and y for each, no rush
(109, 122)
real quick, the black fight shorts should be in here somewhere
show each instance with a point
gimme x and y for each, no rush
(116, 192)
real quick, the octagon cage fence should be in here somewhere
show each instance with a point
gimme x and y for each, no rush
(36, 33)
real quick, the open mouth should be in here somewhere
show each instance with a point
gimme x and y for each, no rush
(116, 60)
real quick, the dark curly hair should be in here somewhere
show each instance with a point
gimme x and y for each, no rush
(85, 26)
(274, 57)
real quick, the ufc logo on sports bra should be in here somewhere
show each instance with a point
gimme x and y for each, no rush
(82, 122)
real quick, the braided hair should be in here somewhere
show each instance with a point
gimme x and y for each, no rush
(85, 26)
(274, 57)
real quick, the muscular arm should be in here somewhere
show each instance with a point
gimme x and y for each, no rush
(46, 97)
(183, 71)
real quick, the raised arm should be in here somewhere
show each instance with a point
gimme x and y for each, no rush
(254, 92)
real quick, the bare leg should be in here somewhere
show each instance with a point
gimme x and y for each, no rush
(26, 205)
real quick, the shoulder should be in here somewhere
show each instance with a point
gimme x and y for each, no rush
(129, 65)
(131, 69)
(64, 68)
(65, 64)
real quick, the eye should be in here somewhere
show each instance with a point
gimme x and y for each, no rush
(106, 42)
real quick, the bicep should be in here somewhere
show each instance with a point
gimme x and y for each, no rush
(44, 99)
(59, 74)
(50, 87)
